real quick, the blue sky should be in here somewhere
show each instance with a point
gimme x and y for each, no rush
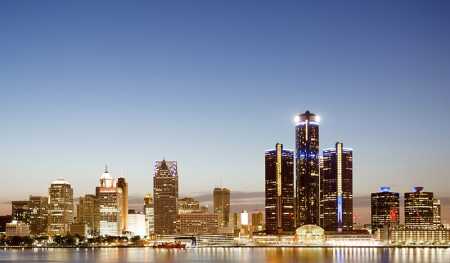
(213, 84)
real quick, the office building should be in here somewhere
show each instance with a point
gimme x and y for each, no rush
(20, 211)
(123, 185)
(385, 207)
(197, 223)
(109, 198)
(60, 208)
(336, 189)
(165, 192)
(279, 191)
(38, 214)
(419, 209)
(136, 224)
(437, 213)
(149, 213)
(17, 229)
(257, 221)
(307, 168)
(88, 213)
(221, 202)
(188, 205)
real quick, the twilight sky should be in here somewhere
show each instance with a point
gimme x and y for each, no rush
(213, 84)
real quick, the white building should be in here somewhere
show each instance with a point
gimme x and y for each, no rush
(137, 224)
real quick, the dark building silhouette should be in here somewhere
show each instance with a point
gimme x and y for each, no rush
(336, 189)
(307, 168)
(20, 211)
(385, 207)
(221, 202)
(419, 209)
(165, 192)
(122, 184)
(279, 190)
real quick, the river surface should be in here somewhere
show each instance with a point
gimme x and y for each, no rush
(273, 255)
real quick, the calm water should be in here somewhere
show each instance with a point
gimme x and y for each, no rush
(273, 255)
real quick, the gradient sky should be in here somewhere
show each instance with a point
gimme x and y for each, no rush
(213, 84)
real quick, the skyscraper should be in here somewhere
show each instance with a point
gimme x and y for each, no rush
(123, 185)
(419, 209)
(221, 202)
(279, 191)
(307, 168)
(149, 213)
(385, 208)
(38, 214)
(165, 192)
(88, 213)
(437, 213)
(60, 210)
(336, 189)
(109, 198)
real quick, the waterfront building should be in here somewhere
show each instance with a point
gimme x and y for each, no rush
(385, 207)
(188, 205)
(257, 221)
(38, 206)
(3, 221)
(437, 213)
(17, 229)
(336, 189)
(310, 235)
(109, 200)
(149, 213)
(407, 236)
(20, 211)
(60, 207)
(419, 209)
(221, 202)
(279, 191)
(136, 224)
(80, 229)
(165, 192)
(197, 223)
(123, 185)
(307, 168)
(88, 213)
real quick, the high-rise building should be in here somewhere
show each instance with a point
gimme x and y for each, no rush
(307, 168)
(60, 207)
(38, 214)
(188, 205)
(88, 213)
(136, 224)
(336, 189)
(385, 208)
(279, 191)
(221, 202)
(437, 213)
(20, 211)
(165, 192)
(123, 185)
(109, 198)
(149, 213)
(419, 209)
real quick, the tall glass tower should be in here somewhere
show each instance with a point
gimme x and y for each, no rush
(307, 168)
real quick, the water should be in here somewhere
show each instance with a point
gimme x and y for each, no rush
(273, 255)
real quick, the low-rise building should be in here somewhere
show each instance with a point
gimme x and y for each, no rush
(197, 223)
(18, 229)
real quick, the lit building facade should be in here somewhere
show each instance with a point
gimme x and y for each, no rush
(257, 221)
(149, 212)
(20, 211)
(17, 229)
(109, 200)
(123, 186)
(38, 214)
(336, 189)
(419, 209)
(197, 223)
(221, 202)
(136, 224)
(188, 205)
(60, 208)
(279, 191)
(385, 208)
(165, 192)
(437, 213)
(88, 213)
(307, 168)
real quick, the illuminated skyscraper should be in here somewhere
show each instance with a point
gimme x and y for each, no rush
(221, 198)
(60, 210)
(123, 185)
(419, 209)
(165, 192)
(109, 198)
(38, 214)
(336, 189)
(279, 190)
(307, 168)
(149, 213)
(385, 207)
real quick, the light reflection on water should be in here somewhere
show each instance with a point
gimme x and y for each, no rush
(272, 255)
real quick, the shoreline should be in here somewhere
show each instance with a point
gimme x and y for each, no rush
(126, 247)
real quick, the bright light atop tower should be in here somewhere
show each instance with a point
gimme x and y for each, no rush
(317, 118)
(296, 119)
